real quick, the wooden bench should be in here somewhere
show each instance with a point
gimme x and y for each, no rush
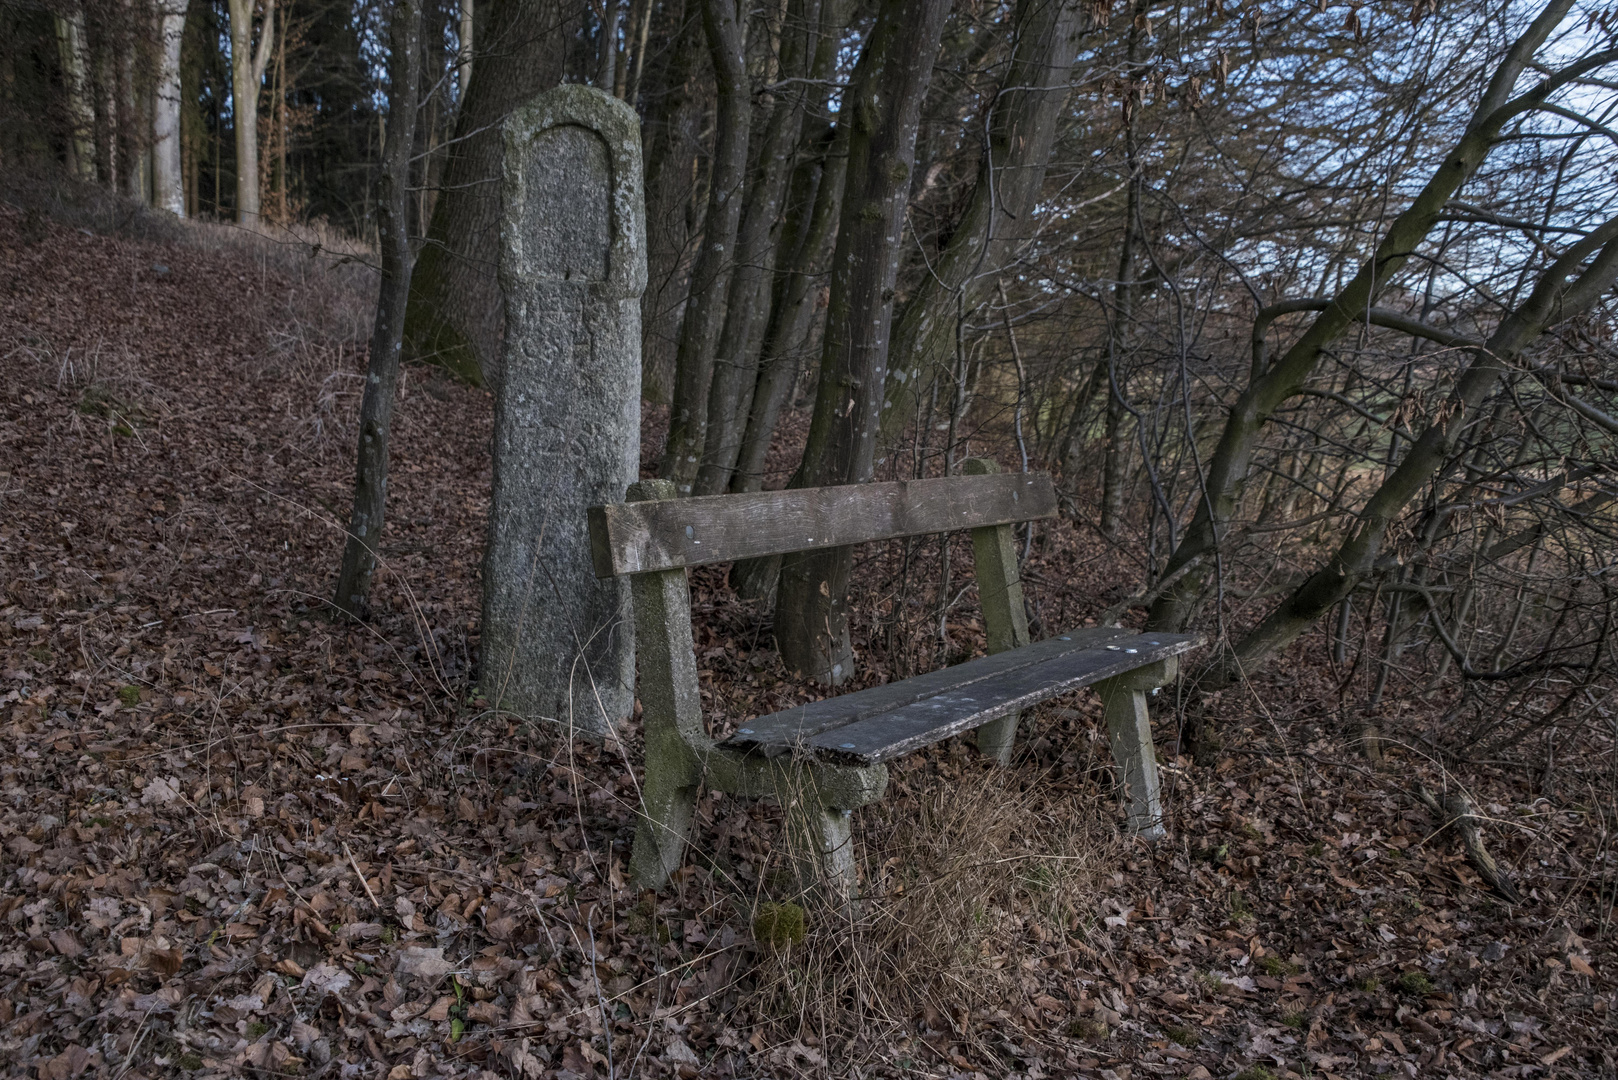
(828, 758)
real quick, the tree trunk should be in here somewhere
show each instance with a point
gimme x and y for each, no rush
(168, 181)
(814, 203)
(673, 119)
(1271, 386)
(607, 47)
(699, 334)
(105, 54)
(466, 31)
(70, 45)
(634, 51)
(1113, 472)
(247, 66)
(382, 370)
(129, 128)
(455, 316)
(882, 107)
(747, 310)
(806, 245)
(999, 217)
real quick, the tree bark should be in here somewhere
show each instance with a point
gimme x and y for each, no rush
(607, 47)
(466, 30)
(382, 369)
(168, 183)
(455, 316)
(736, 358)
(1272, 386)
(999, 217)
(806, 246)
(247, 65)
(70, 45)
(1113, 472)
(135, 114)
(814, 204)
(710, 278)
(882, 107)
(673, 118)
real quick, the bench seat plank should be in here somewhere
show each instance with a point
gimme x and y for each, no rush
(660, 534)
(884, 736)
(796, 726)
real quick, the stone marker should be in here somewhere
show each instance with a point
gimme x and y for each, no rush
(557, 641)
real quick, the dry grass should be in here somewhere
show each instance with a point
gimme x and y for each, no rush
(979, 882)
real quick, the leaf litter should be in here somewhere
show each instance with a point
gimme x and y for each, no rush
(242, 839)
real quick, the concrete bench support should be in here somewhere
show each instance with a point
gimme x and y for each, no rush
(1005, 618)
(1129, 731)
(681, 758)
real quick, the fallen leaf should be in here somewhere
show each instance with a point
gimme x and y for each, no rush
(422, 963)
(160, 791)
(326, 978)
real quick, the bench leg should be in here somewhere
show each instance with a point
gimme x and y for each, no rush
(668, 798)
(997, 738)
(825, 835)
(1129, 731)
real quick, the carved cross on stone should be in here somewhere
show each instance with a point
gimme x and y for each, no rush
(557, 642)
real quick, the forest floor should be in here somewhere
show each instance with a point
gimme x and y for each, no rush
(242, 838)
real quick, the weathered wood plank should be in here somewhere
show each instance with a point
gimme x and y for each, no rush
(634, 538)
(796, 726)
(891, 734)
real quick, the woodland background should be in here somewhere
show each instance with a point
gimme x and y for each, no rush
(1308, 308)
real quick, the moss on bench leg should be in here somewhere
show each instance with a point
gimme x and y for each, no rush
(669, 703)
(1129, 731)
(667, 805)
(825, 819)
(671, 709)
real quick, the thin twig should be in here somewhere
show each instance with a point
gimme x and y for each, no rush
(366, 885)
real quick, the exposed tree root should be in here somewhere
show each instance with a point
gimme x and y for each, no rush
(1456, 810)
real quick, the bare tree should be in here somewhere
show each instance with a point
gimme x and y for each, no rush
(1274, 384)
(455, 316)
(705, 308)
(168, 187)
(382, 369)
(883, 107)
(247, 64)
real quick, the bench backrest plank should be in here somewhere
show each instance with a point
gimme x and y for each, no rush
(637, 537)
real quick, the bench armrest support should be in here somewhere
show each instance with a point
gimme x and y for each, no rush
(680, 756)
(1005, 617)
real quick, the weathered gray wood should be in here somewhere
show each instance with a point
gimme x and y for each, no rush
(922, 723)
(1005, 619)
(635, 538)
(794, 727)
